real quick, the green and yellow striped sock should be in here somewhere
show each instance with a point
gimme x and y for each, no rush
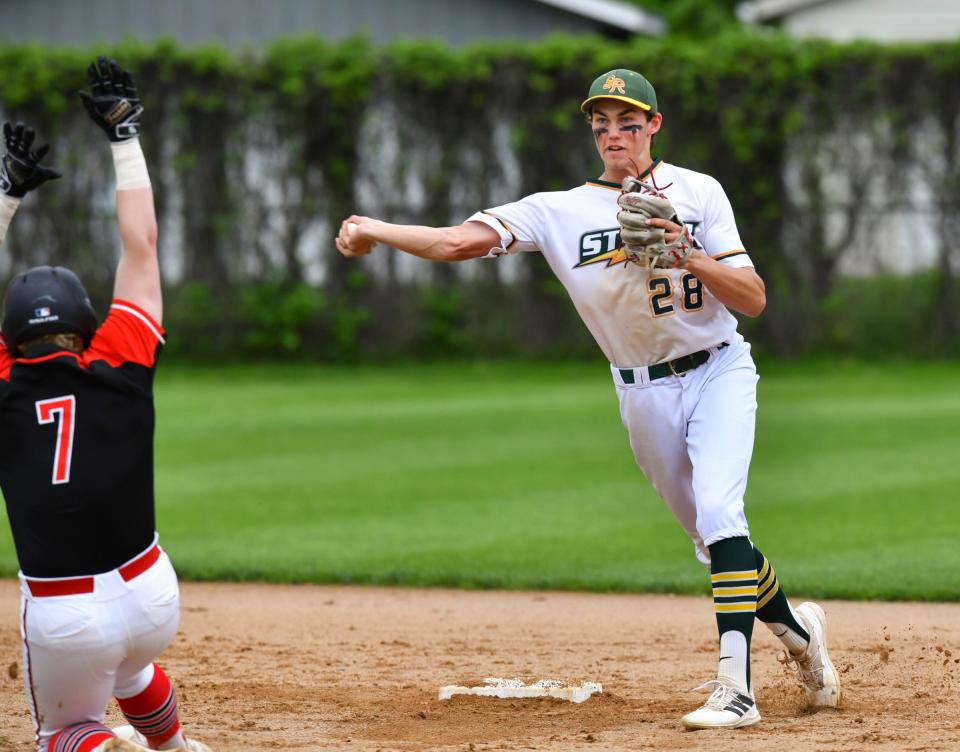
(774, 610)
(733, 575)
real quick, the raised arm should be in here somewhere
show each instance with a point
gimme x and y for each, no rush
(20, 171)
(114, 105)
(358, 236)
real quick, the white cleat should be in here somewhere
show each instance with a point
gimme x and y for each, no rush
(194, 746)
(728, 706)
(120, 745)
(819, 678)
(131, 735)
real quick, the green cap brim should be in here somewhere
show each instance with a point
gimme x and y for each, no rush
(628, 100)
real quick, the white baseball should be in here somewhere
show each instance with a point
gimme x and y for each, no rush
(351, 226)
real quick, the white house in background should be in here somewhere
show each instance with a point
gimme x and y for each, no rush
(253, 24)
(897, 239)
(844, 20)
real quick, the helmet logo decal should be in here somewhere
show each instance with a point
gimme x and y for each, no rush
(43, 315)
(615, 85)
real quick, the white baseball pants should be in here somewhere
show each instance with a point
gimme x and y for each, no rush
(692, 435)
(80, 650)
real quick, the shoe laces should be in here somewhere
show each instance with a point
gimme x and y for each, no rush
(723, 692)
(808, 666)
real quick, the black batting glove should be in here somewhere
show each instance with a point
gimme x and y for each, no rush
(20, 169)
(112, 101)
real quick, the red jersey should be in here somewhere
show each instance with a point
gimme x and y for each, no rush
(76, 448)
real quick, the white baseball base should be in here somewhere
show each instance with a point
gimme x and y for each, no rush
(509, 688)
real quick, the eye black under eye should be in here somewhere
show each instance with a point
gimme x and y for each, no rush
(631, 128)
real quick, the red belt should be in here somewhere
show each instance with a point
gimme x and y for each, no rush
(80, 585)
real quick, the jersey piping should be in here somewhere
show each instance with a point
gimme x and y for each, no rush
(49, 356)
(513, 235)
(142, 315)
(598, 183)
(729, 254)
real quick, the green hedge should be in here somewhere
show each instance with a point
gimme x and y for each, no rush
(756, 110)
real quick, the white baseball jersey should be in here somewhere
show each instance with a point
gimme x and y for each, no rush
(638, 317)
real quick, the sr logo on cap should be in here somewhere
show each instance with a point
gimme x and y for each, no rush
(615, 85)
(625, 85)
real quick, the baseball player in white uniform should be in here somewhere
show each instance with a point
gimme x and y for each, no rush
(684, 376)
(99, 597)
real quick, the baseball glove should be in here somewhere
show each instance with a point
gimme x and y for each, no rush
(643, 244)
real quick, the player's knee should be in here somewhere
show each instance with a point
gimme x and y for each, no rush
(720, 522)
(81, 737)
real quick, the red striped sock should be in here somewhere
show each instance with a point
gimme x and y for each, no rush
(83, 737)
(153, 712)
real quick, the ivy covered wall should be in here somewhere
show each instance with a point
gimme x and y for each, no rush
(834, 157)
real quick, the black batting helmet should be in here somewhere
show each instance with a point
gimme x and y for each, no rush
(46, 300)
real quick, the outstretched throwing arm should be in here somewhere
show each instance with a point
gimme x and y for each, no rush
(358, 235)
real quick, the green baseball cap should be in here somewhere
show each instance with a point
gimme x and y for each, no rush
(625, 85)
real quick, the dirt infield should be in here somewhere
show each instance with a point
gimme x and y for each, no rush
(351, 668)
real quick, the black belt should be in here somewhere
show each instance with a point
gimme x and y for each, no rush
(673, 367)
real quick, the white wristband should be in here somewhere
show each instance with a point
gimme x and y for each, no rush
(8, 207)
(130, 165)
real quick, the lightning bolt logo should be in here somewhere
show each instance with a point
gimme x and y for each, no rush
(614, 257)
(601, 247)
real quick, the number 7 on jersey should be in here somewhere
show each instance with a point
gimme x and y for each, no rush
(48, 411)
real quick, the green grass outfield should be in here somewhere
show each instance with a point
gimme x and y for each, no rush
(520, 476)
